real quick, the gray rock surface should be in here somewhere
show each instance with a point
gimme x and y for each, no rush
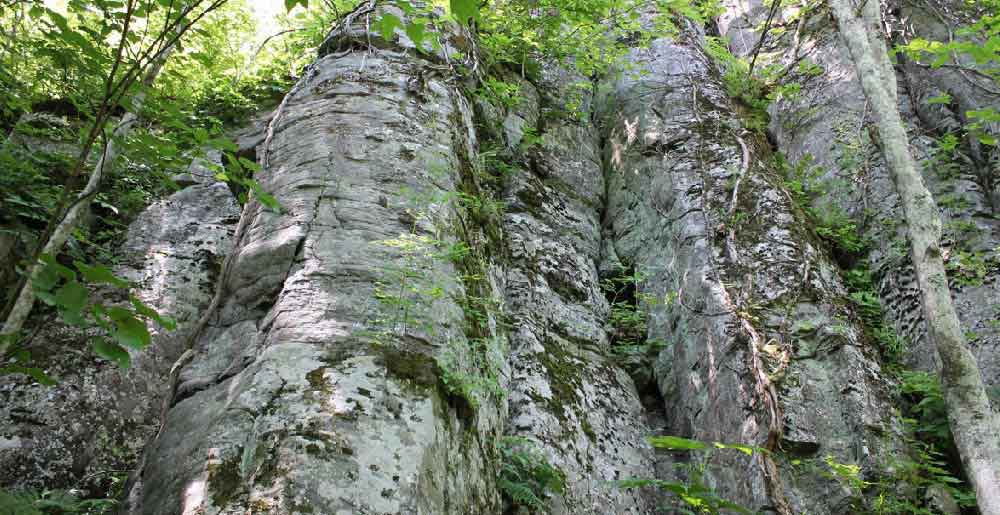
(828, 123)
(761, 349)
(410, 304)
(94, 423)
(341, 318)
(567, 393)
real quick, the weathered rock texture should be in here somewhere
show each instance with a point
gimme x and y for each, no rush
(566, 391)
(324, 364)
(96, 420)
(378, 334)
(828, 123)
(762, 349)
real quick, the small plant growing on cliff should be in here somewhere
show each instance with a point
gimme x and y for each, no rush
(968, 268)
(926, 467)
(629, 306)
(34, 502)
(125, 325)
(847, 474)
(527, 480)
(410, 288)
(480, 379)
(865, 298)
(694, 495)
(812, 195)
(500, 93)
(630, 344)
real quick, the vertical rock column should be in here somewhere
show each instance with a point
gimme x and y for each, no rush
(566, 392)
(318, 387)
(761, 349)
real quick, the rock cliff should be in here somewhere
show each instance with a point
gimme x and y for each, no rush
(444, 281)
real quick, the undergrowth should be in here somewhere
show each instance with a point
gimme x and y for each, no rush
(527, 479)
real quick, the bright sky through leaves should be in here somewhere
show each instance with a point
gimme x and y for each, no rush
(265, 13)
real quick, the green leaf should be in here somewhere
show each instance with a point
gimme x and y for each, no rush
(44, 280)
(417, 31)
(100, 275)
(72, 296)
(58, 20)
(264, 197)
(249, 165)
(112, 352)
(101, 316)
(984, 115)
(943, 98)
(165, 322)
(745, 449)
(940, 61)
(118, 313)
(387, 25)
(223, 144)
(635, 483)
(268, 200)
(200, 135)
(48, 277)
(290, 4)
(35, 373)
(676, 443)
(732, 506)
(74, 318)
(130, 331)
(51, 273)
(464, 10)
(406, 6)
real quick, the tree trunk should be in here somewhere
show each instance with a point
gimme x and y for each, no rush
(973, 424)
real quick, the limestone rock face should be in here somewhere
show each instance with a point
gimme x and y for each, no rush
(567, 392)
(97, 418)
(761, 349)
(318, 388)
(444, 274)
(827, 124)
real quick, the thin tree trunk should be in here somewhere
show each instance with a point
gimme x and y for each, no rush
(81, 202)
(973, 424)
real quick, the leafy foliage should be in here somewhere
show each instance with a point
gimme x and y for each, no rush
(61, 287)
(932, 458)
(927, 406)
(71, 71)
(847, 474)
(974, 49)
(867, 303)
(587, 36)
(756, 89)
(52, 502)
(527, 479)
(630, 308)
(693, 496)
(814, 197)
